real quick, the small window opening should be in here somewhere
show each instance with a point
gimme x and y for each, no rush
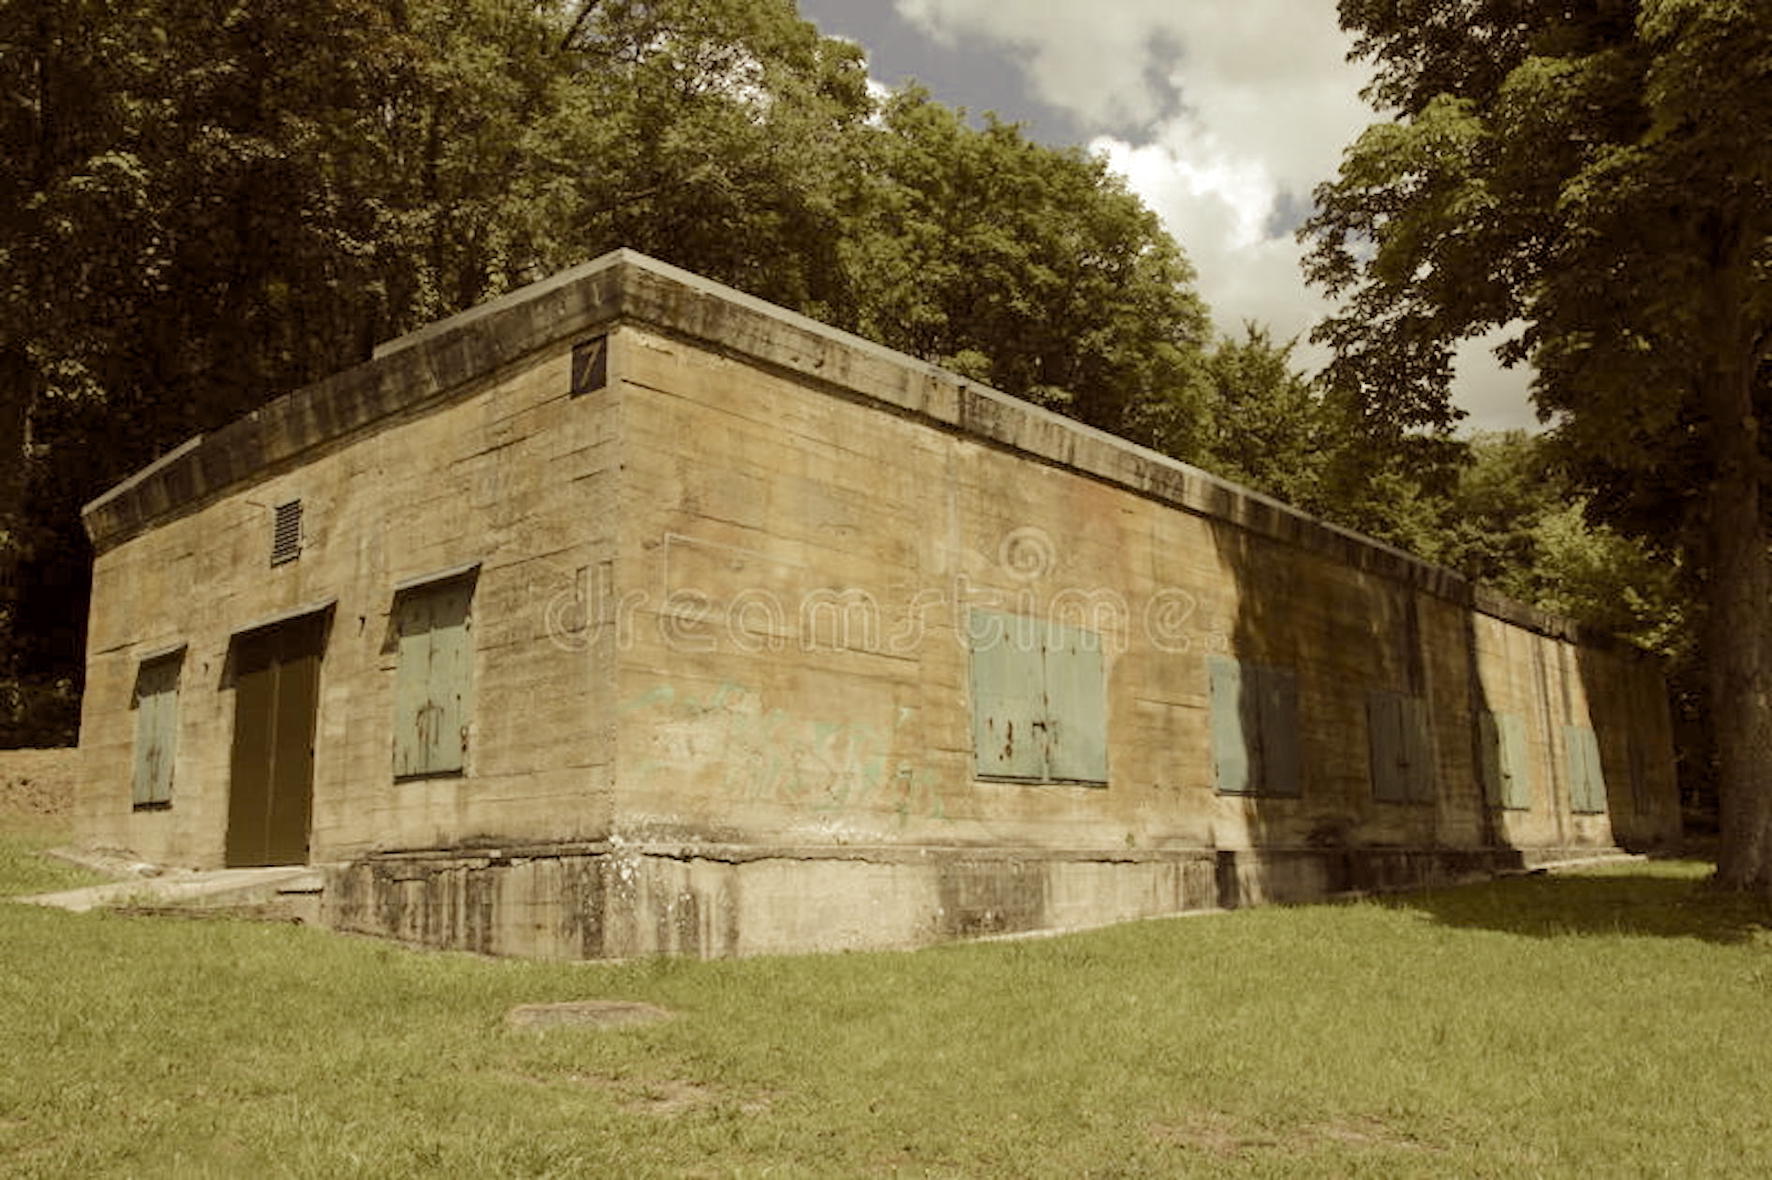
(590, 365)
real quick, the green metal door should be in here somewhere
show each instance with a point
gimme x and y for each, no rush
(276, 700)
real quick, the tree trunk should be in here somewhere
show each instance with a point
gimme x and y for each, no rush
(1739, 631)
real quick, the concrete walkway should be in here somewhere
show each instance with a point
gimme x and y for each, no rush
(212, 887)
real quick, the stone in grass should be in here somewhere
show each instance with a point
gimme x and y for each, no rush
(592, 1013)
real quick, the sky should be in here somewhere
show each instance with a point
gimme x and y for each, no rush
(1223, 115)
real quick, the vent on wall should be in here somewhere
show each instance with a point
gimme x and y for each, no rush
(286, 533)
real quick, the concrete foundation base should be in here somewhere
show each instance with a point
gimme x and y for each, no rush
(615, 901)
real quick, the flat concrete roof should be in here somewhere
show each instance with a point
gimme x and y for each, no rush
(406, 374)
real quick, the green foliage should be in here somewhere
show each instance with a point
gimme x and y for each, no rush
(1270, 427)
(1516, 520)
(1029, 268)
(1567, 171)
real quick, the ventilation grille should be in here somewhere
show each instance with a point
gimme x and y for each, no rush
(286, 533)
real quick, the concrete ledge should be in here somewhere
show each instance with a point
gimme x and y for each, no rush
(618, 902)
(218, 887)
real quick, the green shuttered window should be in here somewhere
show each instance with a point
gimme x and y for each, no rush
(1400, 743)
(433, 691)
(1039, 700)
(1587, 783)
(1254, 728)
(1506, 776)
(156, 730)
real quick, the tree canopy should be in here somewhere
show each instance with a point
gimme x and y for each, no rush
(1592, 176)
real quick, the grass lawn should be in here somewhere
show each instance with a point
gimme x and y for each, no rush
(1617, 1022)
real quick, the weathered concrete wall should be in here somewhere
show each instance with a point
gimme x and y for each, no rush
(611, 901)
(507, 470)
(797, 568)
(723, 691)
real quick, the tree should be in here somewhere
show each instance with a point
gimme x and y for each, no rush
(1516, 519)
(714, 134)
(1031, 268)
(1595, 176)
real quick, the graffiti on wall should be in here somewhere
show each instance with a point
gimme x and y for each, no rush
(769, 755)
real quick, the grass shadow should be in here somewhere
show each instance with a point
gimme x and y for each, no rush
(1671, 899)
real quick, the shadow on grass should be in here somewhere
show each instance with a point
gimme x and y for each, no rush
(1652, 901)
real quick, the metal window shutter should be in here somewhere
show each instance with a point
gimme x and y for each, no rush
(1516, 774)
(1384, 725)
(1586, 787)
(156, 732)
(1420, 777)
(1008, 695)
(434, 685)
(1576, 761)
(1642, 799)
(412, 684)
(451, 678)
(1589, 792)
(1279, 732)
(1596, 782)
(1076, 705)
(1489, 757)
(1234, 718)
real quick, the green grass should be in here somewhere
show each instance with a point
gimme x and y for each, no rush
(24, 868)
(1613, 1023)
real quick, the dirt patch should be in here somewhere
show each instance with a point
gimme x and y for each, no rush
(1208, 1131)
(663, 1098)
(585, 1014)
(1222, 1135)
(37, 784)
(674, 1097)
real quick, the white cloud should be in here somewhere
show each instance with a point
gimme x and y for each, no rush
(1494, 397)
(1223, 115)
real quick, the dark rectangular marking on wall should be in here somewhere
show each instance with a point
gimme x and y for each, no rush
(590, 365)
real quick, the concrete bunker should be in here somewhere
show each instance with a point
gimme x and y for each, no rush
(630, 614)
